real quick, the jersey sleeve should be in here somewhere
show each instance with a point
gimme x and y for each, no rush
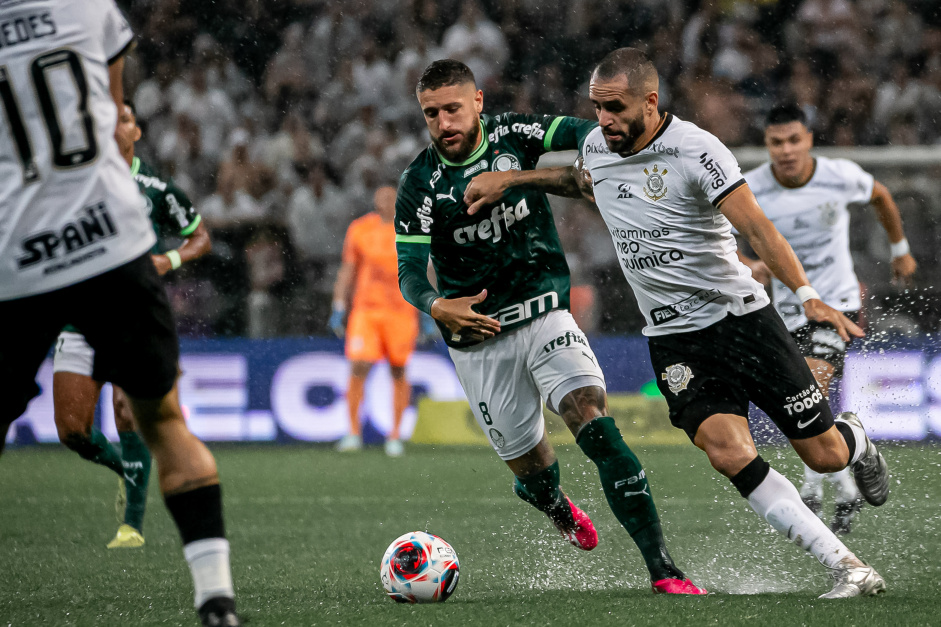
(117, 35)
(414, 226)
(350, 246)
(711, 166)
(180, 214)
(859, 183)
(547, 133)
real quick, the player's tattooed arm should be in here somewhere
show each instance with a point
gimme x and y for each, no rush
(488, 188)
(743, 211)
(903, 264)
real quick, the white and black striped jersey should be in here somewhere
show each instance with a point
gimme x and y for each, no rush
(69, 209)
(815, 220)
(675, 247)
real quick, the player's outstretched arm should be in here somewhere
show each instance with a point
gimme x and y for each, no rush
(487, 188)
(903, 264)
(742, 210)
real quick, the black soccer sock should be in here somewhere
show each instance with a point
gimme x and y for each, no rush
(847, 432)
(197, 513)
(751, 476)
(628, 493)
(542, 491)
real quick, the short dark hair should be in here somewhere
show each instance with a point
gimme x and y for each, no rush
(630, 62)
(444, 73)
(785, 114)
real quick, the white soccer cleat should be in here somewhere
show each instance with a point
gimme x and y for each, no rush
(853, 580)
(349, 443)
(394, 448)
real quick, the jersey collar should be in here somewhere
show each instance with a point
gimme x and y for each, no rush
(135, 166)
(667, 118)
(484, 144)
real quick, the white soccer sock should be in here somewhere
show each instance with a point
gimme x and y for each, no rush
(777, 501)
(860, 441)
(813, 484)
(209, 564)
(846, 490)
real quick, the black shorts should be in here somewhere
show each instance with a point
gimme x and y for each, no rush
(719, 369)
(124, 315)
(821, 341)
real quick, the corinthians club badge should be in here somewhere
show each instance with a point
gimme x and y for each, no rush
(677, 377)
(656, 187)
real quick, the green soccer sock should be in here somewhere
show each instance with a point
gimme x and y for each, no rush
(542, 491)
(625, 486)
(136, 477)
(97, 449)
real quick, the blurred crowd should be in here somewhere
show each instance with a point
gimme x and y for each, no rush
(280, 118)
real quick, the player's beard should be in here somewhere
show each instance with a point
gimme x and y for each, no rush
(635, 129)
(461, 151)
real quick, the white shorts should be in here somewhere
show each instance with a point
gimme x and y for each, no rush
(507, 377)
(73, 354)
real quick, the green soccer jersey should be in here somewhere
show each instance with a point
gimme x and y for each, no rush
(171, 212)
(512, 248)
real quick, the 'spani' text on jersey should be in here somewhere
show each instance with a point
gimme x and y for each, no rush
(815, 221)
(511, 248)
(675, 247)
(69, 209)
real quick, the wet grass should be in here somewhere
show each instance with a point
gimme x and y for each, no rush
(308, 527)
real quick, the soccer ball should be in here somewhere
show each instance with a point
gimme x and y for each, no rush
(419, 568)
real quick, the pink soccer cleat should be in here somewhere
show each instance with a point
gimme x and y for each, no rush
(677, 586)
(582, 534)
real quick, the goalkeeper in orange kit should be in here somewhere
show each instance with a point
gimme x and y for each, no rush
(380, 323)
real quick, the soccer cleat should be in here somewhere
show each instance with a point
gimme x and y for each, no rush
(127, 537)
(853, 580)
(676, 586)
(219, 612)
(813, 504)
(582, 532)
(843, 516)
(120, 501)
(871, 473)
(349, 443)
(394, 448)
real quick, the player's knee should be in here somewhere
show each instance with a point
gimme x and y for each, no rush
(398, 372)
(76, 440)
(729, 459)
(360, 369)
(582, 405)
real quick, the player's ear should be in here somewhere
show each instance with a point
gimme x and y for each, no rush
(137, 133)
(479, 100)
(653, 101)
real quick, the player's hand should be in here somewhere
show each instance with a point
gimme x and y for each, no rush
(162, 263)
(336, 323)
(902, 270)
(485, 189)
(818, 311)
(456, 314)
(583, 178)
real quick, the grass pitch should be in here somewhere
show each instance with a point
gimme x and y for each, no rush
(308, 527)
